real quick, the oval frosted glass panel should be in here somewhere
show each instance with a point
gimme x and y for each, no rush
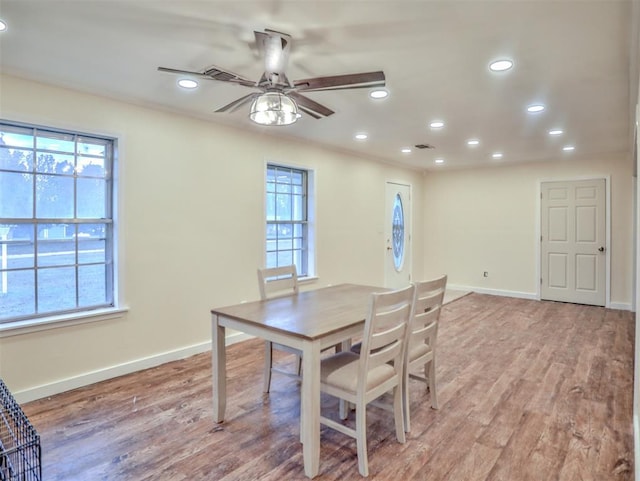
(397, 229)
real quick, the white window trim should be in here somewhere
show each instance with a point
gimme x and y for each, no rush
(311, 215)
(28, 326)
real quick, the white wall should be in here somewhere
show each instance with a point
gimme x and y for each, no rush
(191, 231)
(486, 219)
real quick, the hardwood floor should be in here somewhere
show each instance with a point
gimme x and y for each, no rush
(528, 390)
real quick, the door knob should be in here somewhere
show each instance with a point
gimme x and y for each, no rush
(601, 249)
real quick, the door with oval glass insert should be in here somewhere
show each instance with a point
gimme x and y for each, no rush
(397, 235)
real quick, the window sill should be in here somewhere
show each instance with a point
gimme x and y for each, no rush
(307, 280)
(53, 322)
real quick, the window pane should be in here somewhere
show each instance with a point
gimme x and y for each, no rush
(271, 207)
(298, 207)
(285, 188)
(297, 177)
(55, 164)
(272, 259)
(16, 246)
(56, 289)
(90, 167)
(283, 207)
(297, 259)
(16, 195)
(56, 247)
(59, 142)
(16, 136)
(54, 196)
(92, 285)
(91, 244)
(91, 198)
(17, 293)
(16, 159)
(285, 258)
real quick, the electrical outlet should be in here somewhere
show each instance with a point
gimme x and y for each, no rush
(485, 274)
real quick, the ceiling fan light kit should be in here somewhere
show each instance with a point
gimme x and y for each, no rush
(274, 108)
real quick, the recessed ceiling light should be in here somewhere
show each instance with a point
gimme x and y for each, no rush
(535, 108)
(497, 155)
(473, 142)
(439, 161)
(568, 148)
(361, 136)
(406, 150)
(187, 83)
(436, 124)
(379, 94)
(556, 132)
(3, 26)
(501, 65)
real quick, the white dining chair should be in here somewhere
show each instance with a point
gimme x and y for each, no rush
(274, 282)
(421, 350)
(362, 378)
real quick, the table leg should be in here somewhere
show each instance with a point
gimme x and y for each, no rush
(219, 369)
(310, 408)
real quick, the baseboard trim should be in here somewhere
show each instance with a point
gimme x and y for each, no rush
(624, 306)
(57, 387)
(495, 292)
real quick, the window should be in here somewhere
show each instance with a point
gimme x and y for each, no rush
(56, 222)
(287, 218)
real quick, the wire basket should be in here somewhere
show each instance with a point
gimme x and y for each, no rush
(20, 450)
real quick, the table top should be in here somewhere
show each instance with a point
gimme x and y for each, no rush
(309, 314)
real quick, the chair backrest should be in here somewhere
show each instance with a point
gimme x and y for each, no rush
(427, 304)
(277, 281)
(385, 328)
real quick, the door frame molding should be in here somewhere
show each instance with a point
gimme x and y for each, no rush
(607, 209)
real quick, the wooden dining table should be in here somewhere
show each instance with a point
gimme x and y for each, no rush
(308, 321)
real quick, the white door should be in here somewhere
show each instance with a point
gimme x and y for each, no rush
(397, 231)
(573, 234)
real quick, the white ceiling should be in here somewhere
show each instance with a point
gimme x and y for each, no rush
(573, 56)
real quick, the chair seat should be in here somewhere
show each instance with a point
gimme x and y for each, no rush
(341, 371)
(419, 351)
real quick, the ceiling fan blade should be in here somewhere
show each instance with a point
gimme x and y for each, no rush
(339, 82)
(312, 105)
(236, 104)
(213, 73)
(309, 112)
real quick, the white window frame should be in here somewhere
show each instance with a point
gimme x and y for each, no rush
(78, 315)
(309, 242)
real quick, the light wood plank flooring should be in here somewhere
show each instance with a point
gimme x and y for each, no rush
(528, 390)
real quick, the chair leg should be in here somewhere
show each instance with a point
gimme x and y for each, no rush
(268, 359)
(361, 438)
(405, 400)
(432, 383)
(299, 365)
(398, 413)
(344, 409)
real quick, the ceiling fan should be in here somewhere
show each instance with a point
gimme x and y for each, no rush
(279, 99)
